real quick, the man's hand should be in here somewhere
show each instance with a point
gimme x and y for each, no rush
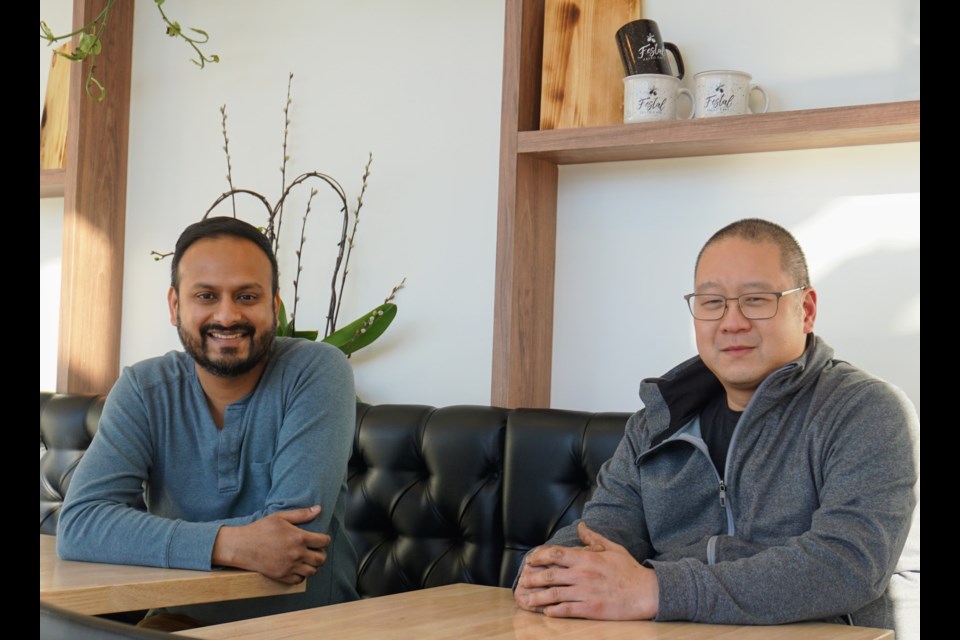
(274, 546)
(600, 581)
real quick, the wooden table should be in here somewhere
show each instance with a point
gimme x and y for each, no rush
(473, 611)
(92, 587)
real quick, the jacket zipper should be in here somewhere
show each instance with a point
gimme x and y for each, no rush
(701, 446)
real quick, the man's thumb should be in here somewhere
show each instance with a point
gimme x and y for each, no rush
(590, 538)
(299, 516)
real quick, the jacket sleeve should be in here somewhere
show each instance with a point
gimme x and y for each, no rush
(866, 475)
(101, 523)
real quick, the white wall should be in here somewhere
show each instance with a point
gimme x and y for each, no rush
(418, 83)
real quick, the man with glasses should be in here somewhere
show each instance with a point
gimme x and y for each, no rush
(764, 482)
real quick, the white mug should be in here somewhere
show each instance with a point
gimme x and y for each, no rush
(651, 97)
(726, 93)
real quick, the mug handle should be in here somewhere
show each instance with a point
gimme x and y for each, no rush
(672, 48)
(766, 100)
(686, 92)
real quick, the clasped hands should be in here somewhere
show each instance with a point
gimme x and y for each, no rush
(599, 580)
(274, 546)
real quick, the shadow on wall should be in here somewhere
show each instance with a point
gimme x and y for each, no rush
(883, 286)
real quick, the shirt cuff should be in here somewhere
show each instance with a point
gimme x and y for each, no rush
(191, 545)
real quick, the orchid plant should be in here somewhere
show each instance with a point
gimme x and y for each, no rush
(368, 327)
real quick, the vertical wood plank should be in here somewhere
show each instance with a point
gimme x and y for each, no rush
(526, 226)
(53, 122)
(94, 211)
(582, 71)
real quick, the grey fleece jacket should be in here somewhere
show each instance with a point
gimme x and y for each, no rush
(810, 517)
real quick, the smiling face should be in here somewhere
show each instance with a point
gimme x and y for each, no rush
(224, 308)
(742, 352)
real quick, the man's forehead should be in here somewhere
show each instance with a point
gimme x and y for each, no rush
(224, 254)
(742, 264)
(747, 285)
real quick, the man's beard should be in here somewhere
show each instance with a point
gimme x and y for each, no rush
(228, 366)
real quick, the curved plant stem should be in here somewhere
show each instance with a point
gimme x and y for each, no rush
(296, 280)
(232, 193)
(226, 152)
(353, 235)
(283, 165)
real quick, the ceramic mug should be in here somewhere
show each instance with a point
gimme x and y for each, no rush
(726, 93)
(643, 51)
(651, 97)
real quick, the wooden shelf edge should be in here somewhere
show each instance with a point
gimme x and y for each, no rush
(51, 183)
(780, 131)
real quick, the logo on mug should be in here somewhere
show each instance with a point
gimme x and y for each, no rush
(650, 51)
(719, 99)
(651, 103)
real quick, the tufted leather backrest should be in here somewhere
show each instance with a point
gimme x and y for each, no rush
(552, 457)
(67, 425)
(435, 496)
(424, 503)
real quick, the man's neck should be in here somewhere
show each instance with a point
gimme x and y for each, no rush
(221, 392)
(738, 400)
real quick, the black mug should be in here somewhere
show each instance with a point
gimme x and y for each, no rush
(642, 50)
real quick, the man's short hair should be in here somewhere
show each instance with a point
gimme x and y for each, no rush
(220, 227)
(756, 230)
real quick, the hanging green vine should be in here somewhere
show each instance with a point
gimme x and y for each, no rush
(89, 44)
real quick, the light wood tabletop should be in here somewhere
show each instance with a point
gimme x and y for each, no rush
(92, 587)
(474, 611)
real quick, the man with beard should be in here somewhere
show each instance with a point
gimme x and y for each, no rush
(238, 447)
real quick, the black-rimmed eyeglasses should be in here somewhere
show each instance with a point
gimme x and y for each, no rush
(758, 305)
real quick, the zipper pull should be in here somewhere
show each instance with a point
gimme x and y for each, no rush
(723, 494)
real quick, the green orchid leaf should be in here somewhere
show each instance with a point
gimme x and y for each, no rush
(364, 330)
(283, 327)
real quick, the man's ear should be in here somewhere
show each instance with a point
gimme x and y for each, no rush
(809, 308)
(173, 301)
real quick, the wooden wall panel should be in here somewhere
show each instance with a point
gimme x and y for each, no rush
(95, 210)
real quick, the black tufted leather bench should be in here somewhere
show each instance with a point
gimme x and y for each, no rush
(436, 495)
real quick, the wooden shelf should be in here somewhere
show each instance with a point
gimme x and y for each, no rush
(782, 131)
(51, 183)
